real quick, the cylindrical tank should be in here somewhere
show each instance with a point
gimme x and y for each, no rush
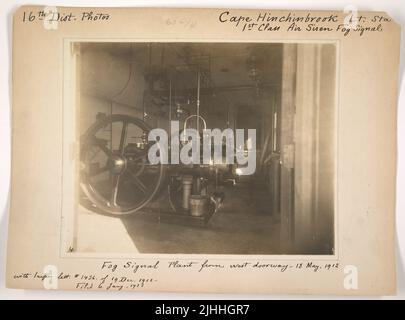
(106, 81)
(187, 182)
(198, 205)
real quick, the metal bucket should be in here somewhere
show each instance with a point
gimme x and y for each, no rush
(198, 205)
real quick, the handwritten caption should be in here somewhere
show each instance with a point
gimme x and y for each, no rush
(55, 16)
(132, 275)
(262, 21)
(305, 22)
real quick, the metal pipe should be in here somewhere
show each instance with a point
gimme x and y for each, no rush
(198, 100)
(143, 106)
(197, 186)
(187, 182)
(185, 124)
(205, 91)
(170, 111)
(150, 87)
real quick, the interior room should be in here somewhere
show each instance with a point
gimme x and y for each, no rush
(286, 92)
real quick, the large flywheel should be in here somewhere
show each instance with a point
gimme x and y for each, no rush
(115, 174)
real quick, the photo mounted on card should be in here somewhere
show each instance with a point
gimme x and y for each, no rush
(203, 150)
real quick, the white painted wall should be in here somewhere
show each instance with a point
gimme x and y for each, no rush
(109, 84)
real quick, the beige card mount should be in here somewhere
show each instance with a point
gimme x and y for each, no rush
(203, 150)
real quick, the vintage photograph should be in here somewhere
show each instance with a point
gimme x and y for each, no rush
(205, 148)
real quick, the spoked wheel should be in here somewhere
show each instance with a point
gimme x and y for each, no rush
(116, 175)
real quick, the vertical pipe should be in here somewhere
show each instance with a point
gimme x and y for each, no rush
(143, 105)
(148, 84)
(187, 182)
(111, 133)
(170, 111)
(198, 99)
(197, 186)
